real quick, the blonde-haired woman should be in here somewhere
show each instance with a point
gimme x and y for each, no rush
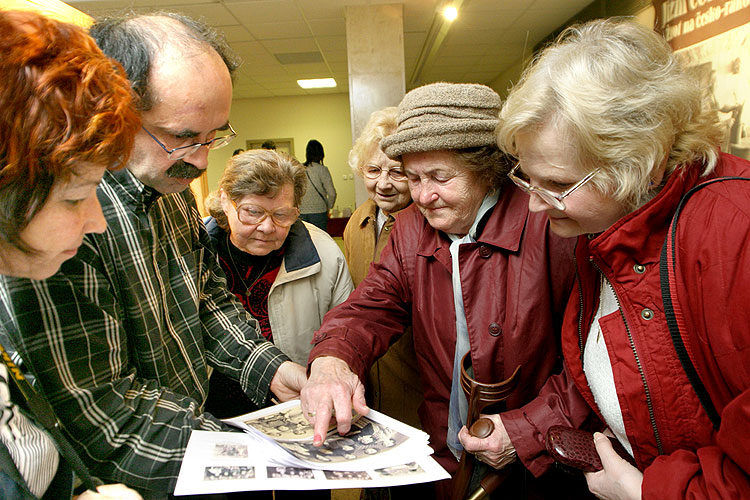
(611, 138)
(287, 273)
(393, 383)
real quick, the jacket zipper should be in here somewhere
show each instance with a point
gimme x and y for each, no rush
(649, 403)
(580, 307)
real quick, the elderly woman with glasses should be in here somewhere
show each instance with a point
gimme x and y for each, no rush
(615, 148)
(470, 269)
(393, 384)
(286, 272)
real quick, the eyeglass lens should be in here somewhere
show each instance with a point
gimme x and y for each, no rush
(252, 214)
(520, 180)
(215, 143)
(374, 172)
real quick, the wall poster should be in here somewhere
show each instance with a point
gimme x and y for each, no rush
(713, 37)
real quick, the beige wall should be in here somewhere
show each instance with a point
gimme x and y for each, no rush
(323, 117)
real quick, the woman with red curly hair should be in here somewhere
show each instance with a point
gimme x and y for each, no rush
(66, 115)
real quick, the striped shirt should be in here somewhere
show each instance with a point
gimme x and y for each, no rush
(32, 450)
(121, 338)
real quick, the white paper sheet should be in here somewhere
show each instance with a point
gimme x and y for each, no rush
(380, 451)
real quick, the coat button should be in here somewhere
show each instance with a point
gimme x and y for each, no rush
(647, 314)
(639, 268)
(386, 229)
(495, 329)
(485, 252)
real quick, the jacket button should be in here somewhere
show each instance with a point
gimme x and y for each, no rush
(485, 252)
(639, 268)
(317, 338)
(647, 314)
(386, 229)
(495, 329)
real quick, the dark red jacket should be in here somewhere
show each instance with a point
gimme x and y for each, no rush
(515, 279)
(672, 438)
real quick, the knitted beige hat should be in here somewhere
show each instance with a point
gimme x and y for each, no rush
(444, 116)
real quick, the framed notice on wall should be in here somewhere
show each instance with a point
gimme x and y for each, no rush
(687, 22)
(713, 38)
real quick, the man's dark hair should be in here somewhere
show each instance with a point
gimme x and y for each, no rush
(133, 41)
(314, 152)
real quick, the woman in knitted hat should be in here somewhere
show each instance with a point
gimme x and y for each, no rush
(470, 269)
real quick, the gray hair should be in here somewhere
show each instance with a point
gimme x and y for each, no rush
(134, 40)
(262, 172)
(381, 124)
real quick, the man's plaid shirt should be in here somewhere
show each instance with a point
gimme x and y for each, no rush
(121, 338)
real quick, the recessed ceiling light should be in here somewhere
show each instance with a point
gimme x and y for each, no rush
(450, 13)
(317, 83)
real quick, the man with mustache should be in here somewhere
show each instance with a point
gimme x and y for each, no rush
(142, 311)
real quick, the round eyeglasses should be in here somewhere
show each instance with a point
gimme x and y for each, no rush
(183, 151)
(555, 200)
(253, 214)
(375, 171)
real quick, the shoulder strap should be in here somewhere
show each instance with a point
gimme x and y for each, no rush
(8, 466)
(667, 273)
(315, 187)
(45, 415)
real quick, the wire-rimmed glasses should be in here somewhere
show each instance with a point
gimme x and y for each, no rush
(253, 214)
(555, 200)
(183, 151)
(374, 172)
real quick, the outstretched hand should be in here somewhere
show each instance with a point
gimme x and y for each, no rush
(618, 480)
(288, 381)
(495, 450)
(332, 390)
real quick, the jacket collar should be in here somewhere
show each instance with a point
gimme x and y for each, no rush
(639, 235)
(370, 213)
(132, 192)
(300, 251)
(503, 226)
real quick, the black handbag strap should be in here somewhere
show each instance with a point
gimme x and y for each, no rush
(8, 467)
(668, 255)
(45, 415)
(322, 196)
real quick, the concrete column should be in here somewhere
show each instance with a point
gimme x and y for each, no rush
(375, 51)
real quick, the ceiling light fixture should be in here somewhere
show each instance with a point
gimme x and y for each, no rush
(317, 83)
(450, 13)
(434, 40)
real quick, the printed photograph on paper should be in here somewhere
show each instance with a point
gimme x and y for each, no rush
(346, 475)
(291, 430)
(400, 470)
(230, 450)
(228, 472)
(284, 472)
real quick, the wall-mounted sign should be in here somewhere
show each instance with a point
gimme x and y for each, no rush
(686, 22)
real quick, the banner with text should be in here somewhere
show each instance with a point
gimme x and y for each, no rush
(686, 22)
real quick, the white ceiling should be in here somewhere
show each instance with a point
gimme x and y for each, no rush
(488, 38)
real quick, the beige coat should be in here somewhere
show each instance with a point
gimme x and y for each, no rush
(393, 386)
(300, 297)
